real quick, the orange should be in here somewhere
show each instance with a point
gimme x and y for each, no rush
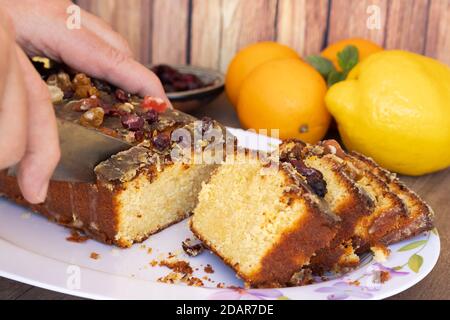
(365, 49)
(248, 59)
(288, 95)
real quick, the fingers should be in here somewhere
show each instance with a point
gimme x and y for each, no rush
(13, 112)
(96, 58)
(42, 151)
(104, 31)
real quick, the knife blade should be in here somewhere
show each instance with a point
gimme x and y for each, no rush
(82, 149)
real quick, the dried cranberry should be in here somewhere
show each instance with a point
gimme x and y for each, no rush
(132, 122)
(150, 116)
(161, 142)
(152, 103)
(122, 95)
(313, 177)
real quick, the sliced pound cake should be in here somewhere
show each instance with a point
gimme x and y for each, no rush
(346, 199)
(265, 223)
(242, 213)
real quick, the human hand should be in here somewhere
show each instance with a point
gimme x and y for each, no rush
(94, 49)
(28, 134)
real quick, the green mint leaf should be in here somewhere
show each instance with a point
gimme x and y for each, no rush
(348, 58)
(412, 245)
(334, 77)
(415, 262)
(321, 64)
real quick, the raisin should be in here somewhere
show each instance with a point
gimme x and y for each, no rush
(314, 178)
(132, 122)
(92, 118)
(121, 95)
(139, 135)
(150, 116)
(161, 142)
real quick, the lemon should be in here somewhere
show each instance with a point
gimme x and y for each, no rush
(247, 59)
(395, 107)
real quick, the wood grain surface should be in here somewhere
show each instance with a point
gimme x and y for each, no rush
(209, 33)
(433, 188)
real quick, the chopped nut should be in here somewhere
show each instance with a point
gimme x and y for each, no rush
(56, 94)
(125, 107)
(85, 104)
(92, 118)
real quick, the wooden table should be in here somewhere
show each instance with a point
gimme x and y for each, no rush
(434, 188)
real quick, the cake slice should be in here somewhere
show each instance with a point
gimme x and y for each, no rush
(264, 222)
(419, 215)
(345, 198)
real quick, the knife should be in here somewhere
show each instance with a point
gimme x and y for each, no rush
(82, 149)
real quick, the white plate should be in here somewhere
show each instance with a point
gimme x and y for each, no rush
(34, 251)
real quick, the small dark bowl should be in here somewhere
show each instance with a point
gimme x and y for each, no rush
(192, 99)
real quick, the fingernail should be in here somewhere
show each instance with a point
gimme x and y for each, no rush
(42, 194)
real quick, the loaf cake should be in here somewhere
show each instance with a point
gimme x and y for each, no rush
(137, 192)
(250, 221)
(265, 223)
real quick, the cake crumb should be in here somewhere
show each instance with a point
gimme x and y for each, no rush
(153, 263)
(192, 248)
(177, 266)
(380, 253)
(208, 269)
(25, 215)
(149, 250)
(94, 255)
(384, 276)
(355, 283)
(76, 237)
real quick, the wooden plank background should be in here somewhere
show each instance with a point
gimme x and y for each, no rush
(209, 32)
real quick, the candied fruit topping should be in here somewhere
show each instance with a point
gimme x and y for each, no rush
(151, 116)
(132, 122)
(85, 104)
(121, 95)
(314, 178)
(92, 118)
(162, 141)
(153, 103)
